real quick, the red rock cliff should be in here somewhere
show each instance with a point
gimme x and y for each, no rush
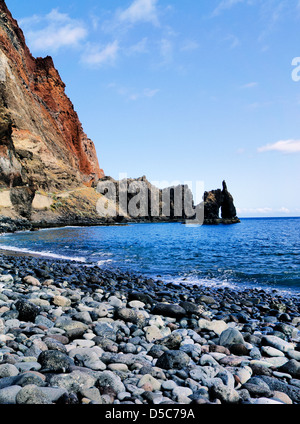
(41, 137)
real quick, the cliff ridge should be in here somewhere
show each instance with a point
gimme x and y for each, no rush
(42, 142)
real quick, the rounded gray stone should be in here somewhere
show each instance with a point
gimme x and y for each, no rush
(32, 395)
(225, 394)
(230, 337)
(73, 382)
(9, 394)
(8, 370)
(108, 379)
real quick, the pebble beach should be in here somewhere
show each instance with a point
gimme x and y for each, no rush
(75, 334)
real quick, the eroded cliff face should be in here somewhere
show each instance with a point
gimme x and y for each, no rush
(42, 143)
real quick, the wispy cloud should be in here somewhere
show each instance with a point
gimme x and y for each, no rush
(258, 105)
(283, 146)
(53, 31)
(249, 85)
(96, 55)
(225, 5)
(189, 46)
(150, 93)
(166, 50)
(139, 48)
(131, 94)
(121, 24)
(140, 11)
(233, 41)
(273, 11)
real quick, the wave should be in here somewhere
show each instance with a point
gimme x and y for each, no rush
(237, 286)
(104, 261)
(191, 281)
(42, 254)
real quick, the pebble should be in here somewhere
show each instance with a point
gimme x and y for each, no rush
(147, 379)
(32, 395)
(110, 338)
(218, 327)
(153, 333)
(271, 351)
(266, 401)
(8, 396)
(277, 343)
(231, 337)
(8, 370)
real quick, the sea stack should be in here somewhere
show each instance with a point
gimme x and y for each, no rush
(216, 200)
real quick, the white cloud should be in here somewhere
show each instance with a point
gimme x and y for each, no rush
(266, 211)
(140, 11)
(98, 56)
(283, 146)
(53, 31)
(254, 211)
(284, 210)
(263, 211)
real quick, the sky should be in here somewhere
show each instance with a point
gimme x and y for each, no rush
(187, 91)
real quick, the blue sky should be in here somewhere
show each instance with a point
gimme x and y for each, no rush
(183, 90)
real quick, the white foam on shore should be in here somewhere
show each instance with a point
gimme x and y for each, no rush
(202, 282)
(104, 261)
(42, 254)
(223, 284)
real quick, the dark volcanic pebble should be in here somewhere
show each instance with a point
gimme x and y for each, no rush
(27, 311)
(173, 359)
(55, 361)
(168, 310)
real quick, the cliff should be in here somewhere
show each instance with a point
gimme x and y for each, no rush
(42, 142)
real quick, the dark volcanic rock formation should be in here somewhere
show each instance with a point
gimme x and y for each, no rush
(139, 200)
(219, 199)
(228, 209)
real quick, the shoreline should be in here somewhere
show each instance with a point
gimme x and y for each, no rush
(9, 225)
(134, 340)
(285, 292)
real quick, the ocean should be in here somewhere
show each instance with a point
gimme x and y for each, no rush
(261, 253)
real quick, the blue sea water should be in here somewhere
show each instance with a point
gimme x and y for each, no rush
(263, 253)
